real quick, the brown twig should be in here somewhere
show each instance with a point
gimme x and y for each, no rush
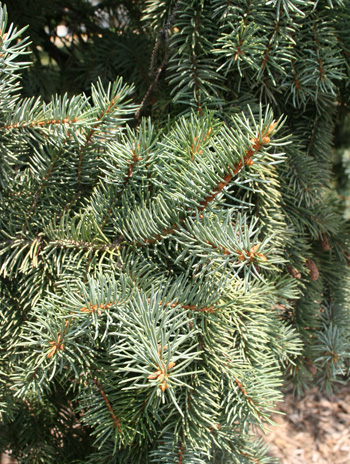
(115, 419)
(163, 35)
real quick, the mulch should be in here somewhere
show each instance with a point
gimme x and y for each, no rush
(313, 429)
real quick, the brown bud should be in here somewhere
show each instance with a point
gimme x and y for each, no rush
(154, 376)
(347, 256)
(311, 367)
(314, 274)
(325, 243)
(163, 386)
(293, 272)
(271, 129)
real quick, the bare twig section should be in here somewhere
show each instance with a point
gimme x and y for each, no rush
(180, 453)
(296, 80)
(195, 64)
(155, 73)
(115, 419)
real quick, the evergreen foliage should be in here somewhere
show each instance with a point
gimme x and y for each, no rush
(173, 250)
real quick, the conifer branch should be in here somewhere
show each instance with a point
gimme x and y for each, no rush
(130, 169)
(116, 422)
(91, 133)
(94, 308)
(41, 188)
(41, 123)
(257, 144)
(62, 243)
(246, 395)
(204, 309)
(296, 80)
(345, 50)
(37, 427)
(312, 136)
(317, 46)
(250, 457)
(194, 62)
(97, 309)
(247, 161)
(70, 204)
(152, 258)
(269, 44)
(241, 255)
(180, 453)
(163, 35)
(83, 245)
(56, 345)
(245, 22)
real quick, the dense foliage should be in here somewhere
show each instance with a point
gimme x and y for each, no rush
(173, 247)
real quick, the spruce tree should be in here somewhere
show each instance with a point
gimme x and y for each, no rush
(173, 249)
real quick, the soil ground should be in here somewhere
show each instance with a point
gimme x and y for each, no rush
(314, 429)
